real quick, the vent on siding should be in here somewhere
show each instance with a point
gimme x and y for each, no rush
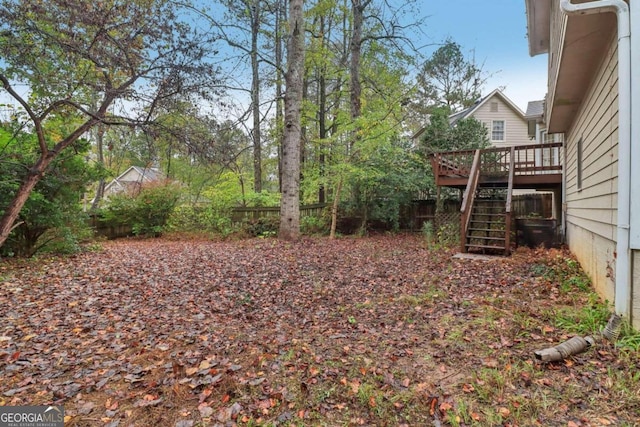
(494, 107)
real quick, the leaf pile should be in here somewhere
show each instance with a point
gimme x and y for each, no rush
(375, 331)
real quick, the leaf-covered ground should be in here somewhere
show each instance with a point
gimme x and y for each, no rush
(376, 331)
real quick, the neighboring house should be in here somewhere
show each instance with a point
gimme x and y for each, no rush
(537, 129)
(594, 49)
(504, 121)
(534, 116)
(131, 180)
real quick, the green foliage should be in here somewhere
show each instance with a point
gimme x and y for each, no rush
(449, 79)
(629, 338)
(147, 212)
(380, 181)
(215, 213)
(565, 271)
(200, 219)
(588, 319)
(465, 134)
(261, 199)
(314, 225)
(51, 218)
(262, 227)
(446, 236)
(428, 234)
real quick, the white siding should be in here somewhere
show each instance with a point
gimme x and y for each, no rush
(591, 210)
(515, 125)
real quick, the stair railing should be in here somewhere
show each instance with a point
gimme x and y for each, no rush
(467, 200)
(507, 218)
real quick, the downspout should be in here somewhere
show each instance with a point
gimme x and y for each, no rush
(623, 253)
(563, 213)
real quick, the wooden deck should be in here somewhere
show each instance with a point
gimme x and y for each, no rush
(536, 166)
(488, 177)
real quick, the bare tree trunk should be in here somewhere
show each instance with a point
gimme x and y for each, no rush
(13, 210)
(334, 209)
(355, 47)
(255, 98)
(322, 120)
(290, 204)
(101, 183)
(280, 18)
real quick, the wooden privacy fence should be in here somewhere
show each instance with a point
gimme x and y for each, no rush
(253, 214)
(533, 205)
(538, 205)
(421, 211)
(412, 217)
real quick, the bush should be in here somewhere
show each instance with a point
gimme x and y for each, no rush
(147, 212)
(68, 239)
(51, 218)
(263, 227)
(314, 224)
(200, 219)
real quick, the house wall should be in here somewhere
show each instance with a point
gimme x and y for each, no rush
(635, 290)
(515, 124)
(591, 213)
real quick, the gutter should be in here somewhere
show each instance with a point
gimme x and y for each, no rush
(623, 251)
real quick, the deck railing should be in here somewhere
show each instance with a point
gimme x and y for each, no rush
(534, 159)
(468, 198)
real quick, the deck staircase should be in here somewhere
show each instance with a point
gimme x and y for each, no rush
(487, 230)
(485, 220)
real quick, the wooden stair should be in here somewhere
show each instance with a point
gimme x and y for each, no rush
(486, 211)
(487, 231)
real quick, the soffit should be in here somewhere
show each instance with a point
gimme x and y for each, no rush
(587, 38)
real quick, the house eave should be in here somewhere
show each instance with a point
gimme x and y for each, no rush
(586, 39)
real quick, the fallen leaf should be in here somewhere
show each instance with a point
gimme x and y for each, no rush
(205, 410)
(146, 402)
(445, 406)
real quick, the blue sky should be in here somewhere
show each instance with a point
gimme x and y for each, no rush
(497, 31)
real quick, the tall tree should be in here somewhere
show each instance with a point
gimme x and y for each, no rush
(71, 52)
(280, 19)
(254, 7)
(290, 204)
(245, 29)
(449, 79)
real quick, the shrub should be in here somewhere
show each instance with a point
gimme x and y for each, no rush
(314, 224)
(51, 218)
(263, 227)
(200, 219)
(147, 212)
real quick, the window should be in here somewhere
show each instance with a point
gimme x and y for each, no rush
(497, 130)
(579, 165)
